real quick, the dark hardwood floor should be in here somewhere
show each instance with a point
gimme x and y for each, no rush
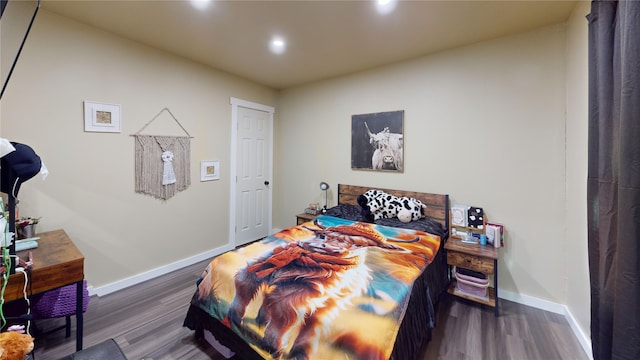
(146, 321)
(466, 330)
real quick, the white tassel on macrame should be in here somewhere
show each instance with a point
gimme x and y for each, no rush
(168, 175)
(152, 171)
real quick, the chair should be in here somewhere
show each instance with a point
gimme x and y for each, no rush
(60, 302)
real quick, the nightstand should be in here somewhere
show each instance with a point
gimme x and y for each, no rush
(481, 258)
(304, 217)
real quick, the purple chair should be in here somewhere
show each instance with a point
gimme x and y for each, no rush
(60, 302)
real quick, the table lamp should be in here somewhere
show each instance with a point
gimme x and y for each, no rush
(324, 187)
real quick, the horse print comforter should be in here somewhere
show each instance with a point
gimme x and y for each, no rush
(327, 289)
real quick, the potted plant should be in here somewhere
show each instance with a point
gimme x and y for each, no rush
(26, 227)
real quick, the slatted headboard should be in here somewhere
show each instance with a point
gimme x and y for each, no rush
(437, 204)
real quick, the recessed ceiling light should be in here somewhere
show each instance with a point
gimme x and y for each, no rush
(385, 6)
(200, 4)
(277, 45)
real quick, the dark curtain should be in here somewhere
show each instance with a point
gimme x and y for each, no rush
(613, 194)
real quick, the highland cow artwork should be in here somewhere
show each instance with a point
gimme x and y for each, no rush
(377, 141)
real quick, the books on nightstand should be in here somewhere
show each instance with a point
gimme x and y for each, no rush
(495, 234)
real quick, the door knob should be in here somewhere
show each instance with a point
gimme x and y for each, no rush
(266, 182)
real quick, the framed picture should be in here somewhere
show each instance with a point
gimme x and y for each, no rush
(377, 141)
(101, 117)
(209, 170)
(459, 215)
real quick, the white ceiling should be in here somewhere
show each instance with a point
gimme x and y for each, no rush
(324, 38)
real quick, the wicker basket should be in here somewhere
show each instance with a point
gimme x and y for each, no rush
(59, 302)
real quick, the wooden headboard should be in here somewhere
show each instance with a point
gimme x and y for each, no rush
(437, 204)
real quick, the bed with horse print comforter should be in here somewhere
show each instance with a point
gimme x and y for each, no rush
(328, 289)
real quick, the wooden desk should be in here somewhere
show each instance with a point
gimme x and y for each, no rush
(56, 263)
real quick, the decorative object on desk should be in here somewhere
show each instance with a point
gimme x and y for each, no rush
(150, 165)
(26, 227)
(475, 217)
(100, 117)
(459, 215)
(377, 141)
(209, 170)
(325, 187)
(495, 234)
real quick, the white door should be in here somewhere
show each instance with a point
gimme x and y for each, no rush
(253, 174)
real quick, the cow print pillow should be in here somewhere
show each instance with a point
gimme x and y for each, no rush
(377, 204)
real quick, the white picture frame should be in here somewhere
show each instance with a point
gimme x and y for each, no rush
(99, 117)
(459, 215)
(209, 170)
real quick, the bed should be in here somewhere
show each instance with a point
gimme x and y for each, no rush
(250, 300)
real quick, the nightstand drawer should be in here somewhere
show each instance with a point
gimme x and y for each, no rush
(471, 262)
(304, 217)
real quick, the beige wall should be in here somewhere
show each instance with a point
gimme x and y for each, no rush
(484, 123)
(577, 267)
(90, 189)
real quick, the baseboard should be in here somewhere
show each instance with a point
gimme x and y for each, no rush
(553, 307)
(148, 275)
(532, 301)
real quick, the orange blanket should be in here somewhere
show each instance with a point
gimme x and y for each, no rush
(327, 289)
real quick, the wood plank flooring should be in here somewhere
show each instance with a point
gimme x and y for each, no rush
(466, 330)
(146, 321)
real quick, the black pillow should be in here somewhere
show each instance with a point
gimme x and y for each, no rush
(346, 211)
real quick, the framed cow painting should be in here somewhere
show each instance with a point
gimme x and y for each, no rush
(377, 141)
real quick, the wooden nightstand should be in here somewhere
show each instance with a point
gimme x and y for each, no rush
(481, 258)
(304, 217)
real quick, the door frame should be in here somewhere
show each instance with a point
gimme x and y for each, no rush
(235, 103)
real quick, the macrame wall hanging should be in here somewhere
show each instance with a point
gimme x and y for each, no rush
(162, 162)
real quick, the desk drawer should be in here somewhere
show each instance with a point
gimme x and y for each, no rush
(476, 263)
